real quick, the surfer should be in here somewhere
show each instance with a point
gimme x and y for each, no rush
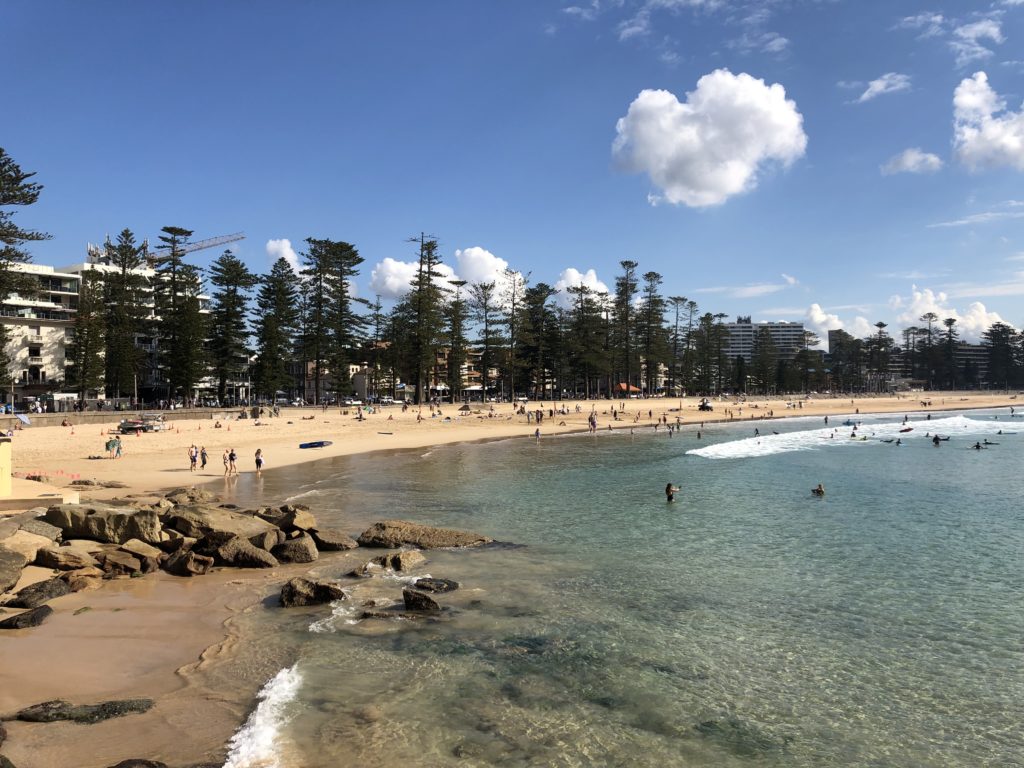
(976, 446)
(670, 492)
(898, 441)
(935, 441)
(819, 491)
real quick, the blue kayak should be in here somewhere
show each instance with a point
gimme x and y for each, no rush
(316, 444)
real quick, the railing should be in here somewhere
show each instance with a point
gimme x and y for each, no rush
(33, 360)
(34, 338)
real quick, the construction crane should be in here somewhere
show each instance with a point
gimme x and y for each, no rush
(98, 255)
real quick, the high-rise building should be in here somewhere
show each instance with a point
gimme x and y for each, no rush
(787, 338)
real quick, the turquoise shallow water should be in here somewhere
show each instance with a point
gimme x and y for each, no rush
(747, 623)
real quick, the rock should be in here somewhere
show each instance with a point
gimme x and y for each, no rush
(418, 601)
(42, 528)
(303, 591)
(84, 578)
(26, 544)
(436, 585)
(199, 521)
(405, 560)
(30, 618)
(52, 711)
(64, 558)
(104, 522)
(3, 734)
(395, 533)
(84, 482)
(36, 594)
(289, 517)
(141, 549)
(369, 714)
(332, 540)
(5, 763)
(229, 549)
(187, 563)
(11, 564)
(176, 542)
(299, 550)
(181, 496)
(268, 539)
(136, 762)
(120, 563)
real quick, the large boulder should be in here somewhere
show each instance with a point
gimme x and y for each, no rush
(26, 544)
(268, 539)
(396, 533)
(303, 591)
(36, 594)
(190, 496)
(121, 563)
(142, 549)
(230, 549)
(84, 578)
(332, 540)
(435, 585)
(52, 711)
(199, 521)
(11, 564)
(301, 549)
(289, 517)
(103, 522)
(64, 558)
(40, 527)
(188, 563)
(30, 618)
(418, 601)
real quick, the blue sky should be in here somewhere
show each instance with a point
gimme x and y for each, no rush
(839, 163)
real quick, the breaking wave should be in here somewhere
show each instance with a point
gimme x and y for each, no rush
(255, 744)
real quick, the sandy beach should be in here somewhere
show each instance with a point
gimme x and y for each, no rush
(149, 636)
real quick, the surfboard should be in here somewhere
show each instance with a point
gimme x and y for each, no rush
(316, 444)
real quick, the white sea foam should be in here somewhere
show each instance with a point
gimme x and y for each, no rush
(314, 492)
(839, 436)
(255, 744)
(343, 611)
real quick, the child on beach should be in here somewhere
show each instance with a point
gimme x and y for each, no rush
(259, 461)
(203, 456)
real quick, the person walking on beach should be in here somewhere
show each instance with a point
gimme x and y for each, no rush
(670, 492)
(259, 462)
(193, 457)
(203, 456)
(226, 465)
(232, 458)
(117, 447)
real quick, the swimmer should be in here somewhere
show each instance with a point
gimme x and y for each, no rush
(819, 491)
(670, 492)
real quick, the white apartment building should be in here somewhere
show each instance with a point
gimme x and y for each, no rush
(787, 338)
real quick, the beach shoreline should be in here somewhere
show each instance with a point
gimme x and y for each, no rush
(81, 656)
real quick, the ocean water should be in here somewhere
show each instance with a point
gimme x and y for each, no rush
(746, 623)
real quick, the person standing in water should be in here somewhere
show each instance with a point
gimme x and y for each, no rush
(670, 492)
(259, 462)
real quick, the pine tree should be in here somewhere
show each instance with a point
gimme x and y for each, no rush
(88, 349)
(229, 351)
(456, 316)
(484, 301)
(15, 189)
(512, 305)
(126, 313)
(426, 302)
(653, 334)
(623, 331)
(538, 339)
(275, 329)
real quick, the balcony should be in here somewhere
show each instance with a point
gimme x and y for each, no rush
(35, 360)
(33, 338)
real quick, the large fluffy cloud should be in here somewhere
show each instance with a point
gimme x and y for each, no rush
(987, 135)
(478, 265)
(571, 278)
(277, 249)
(392, 279)
(971, 323)
(712, 146)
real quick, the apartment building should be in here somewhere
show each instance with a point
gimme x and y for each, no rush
(787, 338)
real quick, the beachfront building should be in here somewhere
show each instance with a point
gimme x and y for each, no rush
(741, 340)
(39, 325)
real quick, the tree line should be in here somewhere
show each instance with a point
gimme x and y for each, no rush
(281, 327)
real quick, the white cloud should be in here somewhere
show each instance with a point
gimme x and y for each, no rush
(763, 42)
(890, 82)
(986, 134)
(277, 249)
(571, 278)
(980, 218)
(392, 279)
(821, 322)
(967, 44)
(971, 323)
(930, 24)
(861, 328)
(750, 291)
(704, 151)
(790, 280)
(478, 265)
(912, 160)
